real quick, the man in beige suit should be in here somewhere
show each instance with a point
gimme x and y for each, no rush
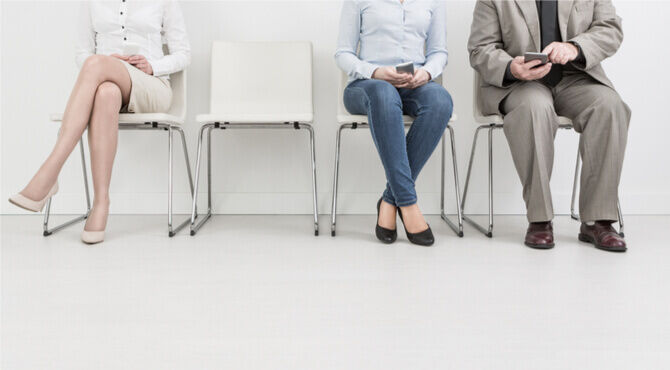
(577, 35)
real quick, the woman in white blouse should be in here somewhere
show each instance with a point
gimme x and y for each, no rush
(123, 69)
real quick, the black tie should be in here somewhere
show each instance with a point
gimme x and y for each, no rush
(550, 33)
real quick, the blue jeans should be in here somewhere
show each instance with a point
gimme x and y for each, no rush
(402, 157)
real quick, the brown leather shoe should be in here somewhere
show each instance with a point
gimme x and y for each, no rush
(603, 236)
(540, 235)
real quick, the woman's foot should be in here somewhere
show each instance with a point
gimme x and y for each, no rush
(417, 230)
(94, 230)
(33, 203)
(97, 218)
(385, 233)
(387, 215)
(413, 219)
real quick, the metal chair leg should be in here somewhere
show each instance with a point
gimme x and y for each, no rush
(458, 229)
(195, 227)
(47, 212)
(336, 175)
(573, 213)
(172, 232)
(314, 193)
(488, 232)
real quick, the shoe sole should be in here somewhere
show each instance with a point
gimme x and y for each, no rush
(589, 239)
(539, 246)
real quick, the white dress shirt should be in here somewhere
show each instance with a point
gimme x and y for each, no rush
(106, 27)
(377, 33)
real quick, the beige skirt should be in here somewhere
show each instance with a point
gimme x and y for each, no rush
(148, 94)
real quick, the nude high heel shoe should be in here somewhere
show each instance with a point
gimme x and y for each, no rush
(92, 237)
(31, 205)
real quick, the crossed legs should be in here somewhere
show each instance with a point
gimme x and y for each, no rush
(403, 156)
(102, 87)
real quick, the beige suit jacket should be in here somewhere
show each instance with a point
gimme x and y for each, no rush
(504, 29)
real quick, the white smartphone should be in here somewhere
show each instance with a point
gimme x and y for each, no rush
(131, 48)
(405, 68)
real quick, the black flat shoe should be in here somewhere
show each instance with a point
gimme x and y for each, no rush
(424, 238)
(384, 235)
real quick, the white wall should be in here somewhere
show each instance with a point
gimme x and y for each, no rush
(268, 172)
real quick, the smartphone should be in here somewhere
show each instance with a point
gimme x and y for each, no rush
(405, 68)
(543, 58)
(131, 48)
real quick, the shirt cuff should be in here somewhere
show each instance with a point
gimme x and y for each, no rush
(160, 67)
(580, 61)
(367, 70)
(509, 77)
(433, 71)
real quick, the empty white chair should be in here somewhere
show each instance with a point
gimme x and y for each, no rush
(257, 85)
(348, 121)
(493, 122)
(170, 121)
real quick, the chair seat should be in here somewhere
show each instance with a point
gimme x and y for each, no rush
(255, 118)
(351, 118)
(497, 119)
(136, 118)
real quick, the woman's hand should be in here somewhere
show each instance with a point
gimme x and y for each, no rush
(390, 75)
(141, 63)
(421, 77)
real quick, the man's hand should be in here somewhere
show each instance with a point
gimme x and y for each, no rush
(561, 52)
(421, 77)
(528, 71)
(390, 75)
(141, 63)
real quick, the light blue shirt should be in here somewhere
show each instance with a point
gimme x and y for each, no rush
(380, 33)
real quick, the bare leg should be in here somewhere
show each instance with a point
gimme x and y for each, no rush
(96, 70)
(414, 220)
(102, 139)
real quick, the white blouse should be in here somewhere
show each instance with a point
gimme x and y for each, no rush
(108, 27)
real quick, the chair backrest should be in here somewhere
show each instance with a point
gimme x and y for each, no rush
(178, 84)
(344, 80)
(261, 78)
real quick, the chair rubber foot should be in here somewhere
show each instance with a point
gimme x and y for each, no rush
(332, 233)
(622, 235)
(316, 232)
(47, 233)
(171, 234)
(460, 234)
(192, 232)
(489, 234)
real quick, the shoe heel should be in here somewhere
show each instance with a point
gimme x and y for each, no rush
(584, 238)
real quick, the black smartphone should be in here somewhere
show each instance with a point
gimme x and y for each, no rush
(543, 58)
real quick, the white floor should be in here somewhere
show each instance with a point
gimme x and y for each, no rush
(261, 292)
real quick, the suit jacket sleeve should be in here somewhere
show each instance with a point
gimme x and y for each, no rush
(485, 46)
(603, 37)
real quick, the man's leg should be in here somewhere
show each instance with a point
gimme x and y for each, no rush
(602, 118)
(530, 127)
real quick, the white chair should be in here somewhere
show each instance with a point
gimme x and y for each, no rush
(257, 85)
(348, 121)
(494, 122)
(170, 121)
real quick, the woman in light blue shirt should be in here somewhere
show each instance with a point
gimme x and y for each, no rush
(375, 36)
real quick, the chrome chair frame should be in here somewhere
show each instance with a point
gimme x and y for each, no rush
(226, 126)
(457, 228)
(132, 126)
(488, 231)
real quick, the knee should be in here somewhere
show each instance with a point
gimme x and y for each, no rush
(440, 104)
(95, 66)
(108, 93)
(383, 94)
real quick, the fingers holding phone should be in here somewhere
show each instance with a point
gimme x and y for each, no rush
(531, 70)
(390, 75)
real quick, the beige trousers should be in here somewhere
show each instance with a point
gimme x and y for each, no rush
(598, 114)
